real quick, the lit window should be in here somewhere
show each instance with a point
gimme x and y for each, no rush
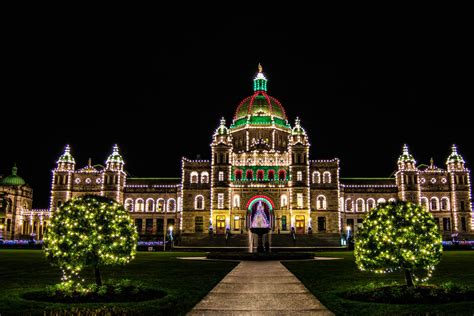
(221, 176)
(299, 199)
(326, 177)
(205, 177)
(284, 201)
(199, 202)
(194, 177)
(299, 176)
(237, 201)
(321, 202)
(220, 200)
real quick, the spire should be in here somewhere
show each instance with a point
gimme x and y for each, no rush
(260, 82)
(89, 163)
(66, 156)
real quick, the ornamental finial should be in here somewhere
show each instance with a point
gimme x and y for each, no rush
(405, 149)
(454, 149)
(260, 69)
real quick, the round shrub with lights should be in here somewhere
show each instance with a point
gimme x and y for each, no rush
(89, 231)
(399, 236)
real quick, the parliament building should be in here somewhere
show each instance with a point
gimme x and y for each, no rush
(258, 162)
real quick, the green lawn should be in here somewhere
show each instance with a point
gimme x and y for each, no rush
(186, 282)
(327, 279)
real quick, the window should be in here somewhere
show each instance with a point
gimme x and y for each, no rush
(221, 176)
(299, 200)
(260, 175)
(249, 175)
(271, 175)
(170, 223)
(199, 224)
(139, 225)
(316, 177)
(350, 225)
(299, 176)
(205, 177)
(326, 177)
(283, 223)
(381, 201)
(59, 204)
(236, 222)
(321, 224)
(238, 175)
(437, 222)
(150, 205)
(282, 175)
(284, 201)
(149, 225)
(462, 206)
(171, 205)
(321, 202)
(446, 224)
(348, 205)
(199, 202)
(434, 204)
(424, 203)
(160, 226)
(160, 205)
(360, 207)
(139, 205)
(9, 224)
(220, 200)
(194, 177)
(129, 205)
(236, 201)
(370, 204)
(445, 204)
(463, 224)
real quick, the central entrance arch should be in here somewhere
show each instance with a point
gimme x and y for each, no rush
(260, 212)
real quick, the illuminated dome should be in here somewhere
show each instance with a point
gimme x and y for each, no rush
(13, 179)
(260, 108)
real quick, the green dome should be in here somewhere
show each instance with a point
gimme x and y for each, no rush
(115, 157)
(454, 157)
(13, 179)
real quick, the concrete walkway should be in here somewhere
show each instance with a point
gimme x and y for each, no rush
(260, 288)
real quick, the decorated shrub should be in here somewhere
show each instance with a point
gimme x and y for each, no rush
(399, 236)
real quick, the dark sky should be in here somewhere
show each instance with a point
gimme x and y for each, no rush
(361, 91)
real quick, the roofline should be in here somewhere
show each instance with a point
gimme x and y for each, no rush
(153, 178)
(367, 178)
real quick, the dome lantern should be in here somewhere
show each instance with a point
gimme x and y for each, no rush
(260, 82)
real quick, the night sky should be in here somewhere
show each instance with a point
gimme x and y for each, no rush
(361, 92)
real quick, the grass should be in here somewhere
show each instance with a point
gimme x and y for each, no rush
(186, 282)
(327, 280)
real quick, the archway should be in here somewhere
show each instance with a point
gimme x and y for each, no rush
(260, 212)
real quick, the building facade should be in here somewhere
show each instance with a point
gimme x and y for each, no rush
(260, 164)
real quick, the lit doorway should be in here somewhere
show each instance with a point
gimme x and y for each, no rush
(299, 221)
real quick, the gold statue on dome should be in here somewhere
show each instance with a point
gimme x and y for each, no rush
(260, 69)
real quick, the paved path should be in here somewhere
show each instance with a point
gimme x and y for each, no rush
(260, 288)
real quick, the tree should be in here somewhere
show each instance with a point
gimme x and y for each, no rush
(90, 231)
(399, 236)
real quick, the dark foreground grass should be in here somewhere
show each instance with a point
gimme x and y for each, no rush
(186, 282)
(328, 280)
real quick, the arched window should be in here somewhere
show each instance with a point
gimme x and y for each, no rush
(370, 204)
(271, 175)
(434, 204)
(424, 203)
(260, 175)
(392, 200)
(348, 205)
(326, 177)
(237, 201)
(205, 177)
(221, 176)
(249, 175)
(316, 177)
(381, 200)
(238, 175)
(171, 207)
(445, 204)
(199, 202)
(139, 205)
(284, 201)
(360, 205)
(160, 205)
(321, 202)
(194, 177)
(150, 205)
(129, 205)
(282, 175)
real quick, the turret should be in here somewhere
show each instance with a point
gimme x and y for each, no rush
(115, 161)
(66, 161)
(114, 176)
(407, 177)
(62, 179)
(406, 160)
(455, 162)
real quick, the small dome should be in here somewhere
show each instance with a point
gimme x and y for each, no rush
(454, 157)
(298, 130)
(406, 156)
(13, 179)
(115, 156)
(67, 157)
(222, 129)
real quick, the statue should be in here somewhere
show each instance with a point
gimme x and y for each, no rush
(260, 219)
